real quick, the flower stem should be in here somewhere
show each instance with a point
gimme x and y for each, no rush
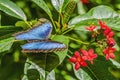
(77, 40)
(53, 23)
(28, 24)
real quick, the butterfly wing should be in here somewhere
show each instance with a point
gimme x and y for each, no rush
(40, 32)
(43, 46)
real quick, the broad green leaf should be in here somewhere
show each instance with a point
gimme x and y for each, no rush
(100, 69)
(69, 10)
(113, 23)
(99, 12)
(82, 75)
(5, 30)
(81, 8)
(57, 4)
(63, 39)
(43, 5)
(31, 69)
(64, 5)
(49, 61)
(12, 9)
(33, 74)
(115, 63)
(6, 44)
(108, 15)
(51, 75)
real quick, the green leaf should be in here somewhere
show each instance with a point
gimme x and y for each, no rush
(82, 75)
(33, 74)
(5, 30)
(65, 5)
(49, 61)
(51, 75)
(99, 12)
(81, 8)
(100, 69)
(44, 6)
(6, 44)
(63, 39)
(69, 10)
(33, 71)
(104, 13)
(12, 9)
(115, 63)
(57, 4)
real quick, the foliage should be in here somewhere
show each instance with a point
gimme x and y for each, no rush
(69, 19)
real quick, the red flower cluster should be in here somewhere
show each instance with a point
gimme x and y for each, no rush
(110, 41)
(79, 59)
(108, 33)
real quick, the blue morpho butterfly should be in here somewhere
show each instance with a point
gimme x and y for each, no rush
(37, 38)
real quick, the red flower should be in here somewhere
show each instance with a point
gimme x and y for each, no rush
(84, 1)
(91, 28)
(107, 31)
(102, 25)
(78, 60)
(111, 42)
(109, 52)
(89, 55)
(110, 34)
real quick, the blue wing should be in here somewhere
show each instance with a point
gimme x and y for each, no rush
(41, 32)
(44, 46)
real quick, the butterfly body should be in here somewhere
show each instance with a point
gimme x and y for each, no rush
(38, 39)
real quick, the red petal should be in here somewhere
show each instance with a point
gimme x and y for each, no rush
(107, 56)
(91, 51)
(112, 55)
(77, 66)
(84, 57)
(77, 54)
(111, 34)
(94, 56)
(84, 52)
(83, 63)
(72, 59)
(107, 31)
(102, 25)
(111, 42)
(105, 51)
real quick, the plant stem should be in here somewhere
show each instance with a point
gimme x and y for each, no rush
(77, 40)
(67, 31)
(59, 18)
(28, 24)
(68, 56)
(53, 24)
(70, 52)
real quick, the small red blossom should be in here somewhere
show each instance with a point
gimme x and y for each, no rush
(110, 34)
(109, 52)
(89, 55)
(107, 31)
(102, 25)
(111, 42)
(85, 1)
(78, 60)
(91, 28)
